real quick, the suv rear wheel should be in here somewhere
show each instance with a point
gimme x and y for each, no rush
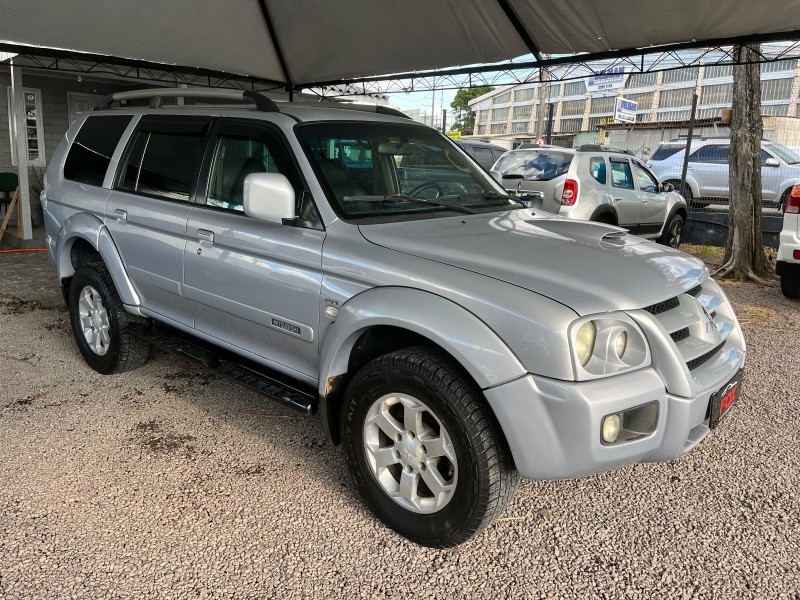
(99, 323)
(424, 449)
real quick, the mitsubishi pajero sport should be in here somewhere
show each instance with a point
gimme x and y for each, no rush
(451, 339)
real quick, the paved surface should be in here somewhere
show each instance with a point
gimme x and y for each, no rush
(169, 482)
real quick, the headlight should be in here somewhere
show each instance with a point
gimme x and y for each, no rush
(584, 342)
(607, 345)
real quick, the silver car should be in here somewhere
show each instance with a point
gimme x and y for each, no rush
(595, 183)
(707, 177)
(360, 265)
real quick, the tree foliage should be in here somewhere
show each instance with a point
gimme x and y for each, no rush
(463, 117)
(744, 249)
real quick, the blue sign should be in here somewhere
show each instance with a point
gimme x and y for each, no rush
(625, 110)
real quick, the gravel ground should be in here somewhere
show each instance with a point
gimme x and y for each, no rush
(170, 482)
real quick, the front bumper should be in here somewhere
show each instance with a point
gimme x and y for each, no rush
(553, 427)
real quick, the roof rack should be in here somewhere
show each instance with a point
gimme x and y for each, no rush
(157, 94)
(262, 103)
(599, 148)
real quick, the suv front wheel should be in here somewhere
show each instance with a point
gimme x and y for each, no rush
(424, 449)
(99, 323)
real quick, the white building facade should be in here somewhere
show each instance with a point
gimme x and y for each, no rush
(508, 115)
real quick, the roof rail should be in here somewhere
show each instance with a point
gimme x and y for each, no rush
(262, 103)
(156, 94)
(599, 148)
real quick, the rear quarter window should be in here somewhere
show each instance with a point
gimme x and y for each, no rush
(597, 169)
(534, 165)
(90, 153)
(664, 152)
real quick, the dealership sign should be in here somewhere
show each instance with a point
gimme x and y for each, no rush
(612, 78)
(625, 110)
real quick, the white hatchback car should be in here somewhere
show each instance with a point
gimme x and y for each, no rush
(788, 265)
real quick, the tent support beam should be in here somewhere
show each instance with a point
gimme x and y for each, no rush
(276, 44)
(511, 15)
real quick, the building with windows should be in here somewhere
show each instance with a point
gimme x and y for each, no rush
(581, 107)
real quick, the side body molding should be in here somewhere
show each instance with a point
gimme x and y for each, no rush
(91, 229)
(468, 339)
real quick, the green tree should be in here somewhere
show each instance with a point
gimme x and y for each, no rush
(463, 117)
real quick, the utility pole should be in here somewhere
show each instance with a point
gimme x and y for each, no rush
(544, 78)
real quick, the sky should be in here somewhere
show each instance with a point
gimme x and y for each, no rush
(422, 100)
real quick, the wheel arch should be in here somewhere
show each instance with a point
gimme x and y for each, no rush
(382, 320)
(82, 237)
(605, 210)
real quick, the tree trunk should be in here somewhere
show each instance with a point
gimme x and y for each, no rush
(744, 250)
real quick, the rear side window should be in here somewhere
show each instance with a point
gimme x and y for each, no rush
(484, 157)
(164, 159)
(664, 152)
(90, 153)
(597, 167)
(713, 153)
(621, 176)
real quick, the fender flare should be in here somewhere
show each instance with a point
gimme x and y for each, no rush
(459, 332)
(89, 228)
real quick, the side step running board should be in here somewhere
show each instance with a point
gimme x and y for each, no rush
(247, 373)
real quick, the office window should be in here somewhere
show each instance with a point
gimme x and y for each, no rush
(522, 112)
(776, 89)
(500, 114)
(502, 98)
(644, 100)
(675, 98)
(716, 71)
(525, 94)
(638, 80)
(678, 75)
(717, 94)
(574, 88)
(603, 105)
(573, 107)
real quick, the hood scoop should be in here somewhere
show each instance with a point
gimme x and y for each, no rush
(588, 230)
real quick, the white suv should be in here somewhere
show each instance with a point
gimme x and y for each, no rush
(707, 175)
(788, 265)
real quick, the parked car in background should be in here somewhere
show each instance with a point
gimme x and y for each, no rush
(485, 153)
(707, 175)
(788, 264)
(595, 183)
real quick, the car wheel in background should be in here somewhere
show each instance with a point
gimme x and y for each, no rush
(424, 449)
(790, 286)
(100, 323)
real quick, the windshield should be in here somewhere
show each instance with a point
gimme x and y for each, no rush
(534, 165)
(782, 152)
(387, 169)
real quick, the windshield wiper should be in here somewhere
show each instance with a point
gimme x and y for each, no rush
(404, 198)
(490, 195)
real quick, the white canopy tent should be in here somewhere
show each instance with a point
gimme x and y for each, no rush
(302, 43)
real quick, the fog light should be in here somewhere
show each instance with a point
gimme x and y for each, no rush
(612, 424)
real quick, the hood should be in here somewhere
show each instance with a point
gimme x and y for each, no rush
(589, 267)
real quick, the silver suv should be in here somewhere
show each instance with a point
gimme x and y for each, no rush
(708, 170)
(595, 183)
(451, 339)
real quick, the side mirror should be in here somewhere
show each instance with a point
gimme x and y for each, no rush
(497, 176)
(269, 197)
(667, 187)
(772, 162)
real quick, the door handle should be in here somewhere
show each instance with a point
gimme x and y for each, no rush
(204, 235)
(121, 215)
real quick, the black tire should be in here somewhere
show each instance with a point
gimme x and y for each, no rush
(124, 351)
(790, 286)
(486, 478)
(673, 232)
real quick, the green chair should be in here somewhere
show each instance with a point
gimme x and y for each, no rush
(8, 185)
